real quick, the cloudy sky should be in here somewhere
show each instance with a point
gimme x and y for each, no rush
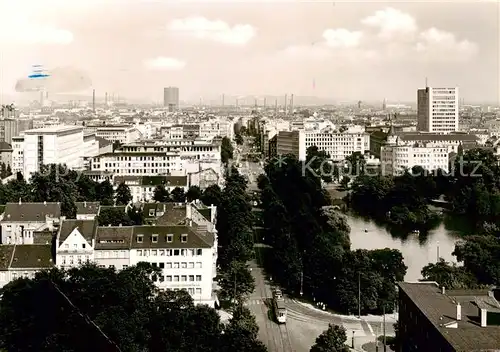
(346, 50)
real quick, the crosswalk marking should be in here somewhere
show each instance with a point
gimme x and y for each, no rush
(253, 302)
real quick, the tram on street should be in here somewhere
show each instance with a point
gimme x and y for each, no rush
(279, 306)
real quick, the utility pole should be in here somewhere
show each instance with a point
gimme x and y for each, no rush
(234, 285)
(437, 251)
(383, 312)
(359, 295)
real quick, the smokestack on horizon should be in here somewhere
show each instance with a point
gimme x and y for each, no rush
(286, 97)
(291, 104)
(93, 100)
(276, 106)
(265, 100)
(106, 98)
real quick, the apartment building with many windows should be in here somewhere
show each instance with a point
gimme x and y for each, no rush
(437, 110)
(338, 144)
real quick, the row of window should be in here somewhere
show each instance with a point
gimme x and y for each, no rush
(169, 238)
(169, 252)
(177, 278)
(178, 265)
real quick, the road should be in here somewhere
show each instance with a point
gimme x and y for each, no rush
(304, 323)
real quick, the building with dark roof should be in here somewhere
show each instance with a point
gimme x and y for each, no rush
(87, 210)
(433, 319)
(75, 242)
(21, 220)
(24, 261)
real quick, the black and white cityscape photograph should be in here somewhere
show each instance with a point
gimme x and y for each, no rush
(249, 176)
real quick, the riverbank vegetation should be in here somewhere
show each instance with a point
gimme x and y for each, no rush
(472, 187)
(398, 201)
(311, 247)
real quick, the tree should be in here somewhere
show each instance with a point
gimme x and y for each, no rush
(123, 194)
(178, 195)
(193, 193)
(236, 283)
(331, 340)
(114, 216)
(3, 170)
(55, 183)
(226, 150)
(238, 139)
(105, 193)
(161, 194)
(241, 332)
(97, 309)
(449, 275)
(212, 195)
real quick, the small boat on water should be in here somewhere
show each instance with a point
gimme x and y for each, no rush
(415, 232)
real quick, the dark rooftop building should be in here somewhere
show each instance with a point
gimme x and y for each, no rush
(31, 212)
(433, 319)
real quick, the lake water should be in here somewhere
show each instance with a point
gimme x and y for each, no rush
(417, 252)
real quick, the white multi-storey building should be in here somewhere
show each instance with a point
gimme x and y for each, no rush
(395, 159)
(53, 145)
(338, 145)
(142, 187)
(17, 154)
(437, 110)
(182, 244)
(161, 157)
(219, 127)
(116, 133)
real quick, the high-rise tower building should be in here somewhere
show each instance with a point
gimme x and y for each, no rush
(171, 98)
(437, 110)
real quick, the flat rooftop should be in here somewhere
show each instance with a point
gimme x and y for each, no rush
(54, 129)
(440, 310)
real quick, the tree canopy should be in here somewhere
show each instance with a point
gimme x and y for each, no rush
(331, 340)
(226, 150)
(234, 226)
(57, 183)
(95, 309)
(311, 247)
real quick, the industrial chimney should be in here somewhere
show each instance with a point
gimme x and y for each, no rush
(291, 104)
(93, 100)
(286, 97)
(106, 98)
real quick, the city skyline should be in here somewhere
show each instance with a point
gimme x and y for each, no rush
(342, 51)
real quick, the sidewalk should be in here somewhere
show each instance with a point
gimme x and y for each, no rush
(389, 318)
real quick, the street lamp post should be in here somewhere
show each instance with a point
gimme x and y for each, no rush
(359, 295)
(437, 252)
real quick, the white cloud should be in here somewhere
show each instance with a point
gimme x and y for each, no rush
(342, 38)
(22, 31)
(165, 63)
(441, 45)
(219, 31)
(21, 22)
(391, 22)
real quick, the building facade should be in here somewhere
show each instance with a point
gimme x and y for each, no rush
(437, 110)
(22, 220)
(53, 145)
(171, 98)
